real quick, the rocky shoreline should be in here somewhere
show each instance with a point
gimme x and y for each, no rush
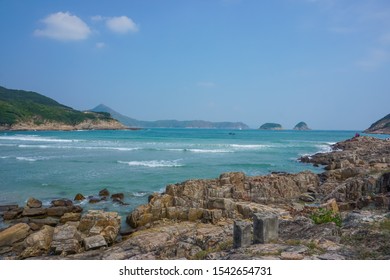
(342, 213)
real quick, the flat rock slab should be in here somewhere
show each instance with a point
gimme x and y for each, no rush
(30, 212)
(94, 242)
(13, 234)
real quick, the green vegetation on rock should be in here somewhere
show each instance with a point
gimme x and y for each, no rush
(382, 126)
(19, 106)
(301, 126)
(271, 126)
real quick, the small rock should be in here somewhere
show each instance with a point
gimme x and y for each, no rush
(94, 200)
(291, 256)
(79, 197)
(62, 202)
(94, 242)
(117, 196)
(306, 197)
(104, 192)
(34, 203)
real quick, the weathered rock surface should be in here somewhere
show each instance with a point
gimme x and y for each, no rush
(13, 234)
(233, 195)
(194, 219)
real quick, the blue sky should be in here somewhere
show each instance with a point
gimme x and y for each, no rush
(326, 62)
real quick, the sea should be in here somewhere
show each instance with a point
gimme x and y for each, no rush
(49, 165)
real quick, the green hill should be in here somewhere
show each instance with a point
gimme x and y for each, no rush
(25, 110)
(380, 127)
(301, 126)
(168, 123)
(271, 126)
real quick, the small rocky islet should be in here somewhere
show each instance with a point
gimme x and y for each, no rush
(342, 213)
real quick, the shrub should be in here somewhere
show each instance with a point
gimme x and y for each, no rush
(322, 216)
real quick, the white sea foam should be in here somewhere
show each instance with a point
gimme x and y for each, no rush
(209, 150)
(26, 158)
(250, 147)
(35, 138)
(32, 159)
(78, 147)
(153, 163)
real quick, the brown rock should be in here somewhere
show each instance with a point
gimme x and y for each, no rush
(94, 242)
(13, 234)
(66, 240)
(34, 203)
(117, 196)
(58, 211)
(97, 222)
(70, 217)
(38, 243)
(104, 192)
(4, 208)
(50, 221)
(13, 214)
(31, 212)
(79, 197)
(291, 256)
(62, 202)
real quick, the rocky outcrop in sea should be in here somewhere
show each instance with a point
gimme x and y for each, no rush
(342, 213)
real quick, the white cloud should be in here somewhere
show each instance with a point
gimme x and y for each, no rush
(63, 27)
(206, 84)
(122, 25)
(100, 45)
(375, 59)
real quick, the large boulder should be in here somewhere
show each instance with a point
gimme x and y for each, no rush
(97, 222)
(66, 240)
(13, 234)
(38, 243)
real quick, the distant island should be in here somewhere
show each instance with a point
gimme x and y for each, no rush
(271, 126)
(380, 127)
(27, 110)
(168, 123)
(301, 126)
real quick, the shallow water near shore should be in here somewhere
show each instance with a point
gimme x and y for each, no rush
(50, 165)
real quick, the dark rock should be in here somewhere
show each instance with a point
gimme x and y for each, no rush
(4, 208)
(265, 228)
(242, 234)
(79, 197)
(117, 196)
(50, 221)
(104, 192)
(58, 211)
(13, 214)
(93, 200)
(62, 202)
(34, 203)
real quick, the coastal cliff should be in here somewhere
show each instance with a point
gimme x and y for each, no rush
(26, 110)
(342, 213)
(380, 127)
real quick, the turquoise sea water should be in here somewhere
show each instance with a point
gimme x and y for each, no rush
(49, 165)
